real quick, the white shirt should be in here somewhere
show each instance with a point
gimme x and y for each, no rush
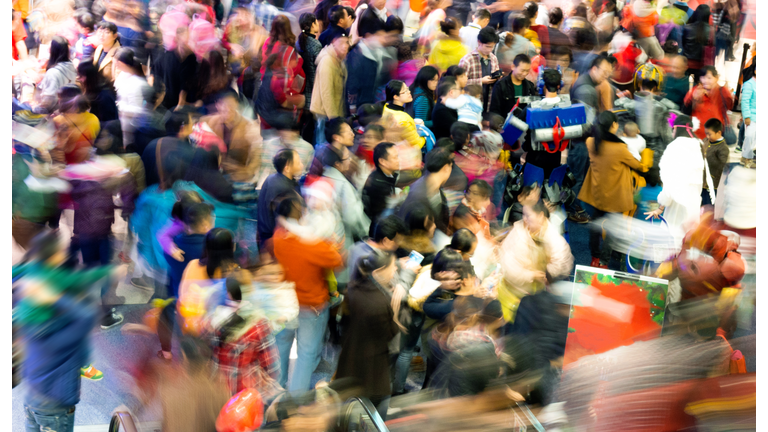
(468, 35)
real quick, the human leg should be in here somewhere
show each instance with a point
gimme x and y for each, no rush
(408, 343)
(50, 420)
(309, 339)
(284, 341)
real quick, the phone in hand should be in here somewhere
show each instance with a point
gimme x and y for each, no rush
(497, 74)
(415, 257)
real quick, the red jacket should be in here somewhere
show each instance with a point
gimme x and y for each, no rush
(707, 106)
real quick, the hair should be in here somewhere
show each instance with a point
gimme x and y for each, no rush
(369, 23)
(394, 24)
(530, 9)
(561, 51)
(495, 121)
(93, 80)
(709, 69)
(350, 12)
(649, 84)
(602, 127)
(555, 16)
(321, 10)
(670, 47)
(448, 83)
(375, 260)
(460, 135)
(184, 200)
(388, 228)
(597, 61)
(394, 88)
(584, 38)
(176, 122)
(85, 19)
(423, 77)
(521, 58)
(380, 152)
(214, 74)
(59, 52)
(552, 80)
(449, 24)
(127, 57)
(487, 35)
(481, 14)
(416, 217)
(631, 128)
(682, 120)
(375, 128)
(485, 189)
(714, 125)
(448, 259)
(286, 203)
(652, 177)
(520, 23)
(197, 213)
(455, 70)
(306, 21)
(281, 32)
(474, 90)
(540, 208)
(106, 25)
(438, 158)
(219, 251)
(282, 159)
(463, 240)
(750, 71)
(333, 127)
(233, 288)
(331, 157)
(114, 131)
(336, 14)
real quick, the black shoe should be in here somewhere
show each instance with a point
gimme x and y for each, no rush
(579, 217)
(111, 320)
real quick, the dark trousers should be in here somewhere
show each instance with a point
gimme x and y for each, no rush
(595, 238)
(96, 251)
(578, 163)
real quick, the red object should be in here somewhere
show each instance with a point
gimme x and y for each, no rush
(243, 413)
(627, 64)
(417, 5)
(17, 34)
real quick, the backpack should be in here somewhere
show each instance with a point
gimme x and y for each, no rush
(202, 37)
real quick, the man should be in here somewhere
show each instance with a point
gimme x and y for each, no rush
(428, 190)
(508, 90)
(338, 18)
(515, 43)
(284, 182)
(676, 82)
(556, 37)
(379, 189)
(338, 134)
(241, 136)
(306, 264)
(468, 34)
(178, 70)
(442, 116)
(288, 137)
(481, 63)
(366, 60)
(379, 7)
(330, 81)
(174, 149)
(386, 235)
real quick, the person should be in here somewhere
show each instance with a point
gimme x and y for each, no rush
(631, 137)
(716, 154)
(584, 90)
(59, 71)
(366, 58)
(676, 83)
(104, 54)
(514, 44)
(475, 203)
(533, 255)
(214, 78)
(642, 19)
(305, 264)
(101, 98)
(749, 111)
(85, 45)
(130, 85)
(284, 182)
(459, 74)
(374, 303)
(468, 34)
(217, 261)
(555, 38)
(647, 198)
(18, 38)
(282, 87)
(469, 107)
(423, 92)
(709, 100)
(328, 96)
(205, 171)
(76, 128)
(288, 137)
(178, 71)
(481, 63)
(321, 11)
(428, 191)
(608, 184)
(442, 116)
(398, 94)
(696, 40)
(379, 190)
(338, 19)
(386, 236)
(309, 48)
(281, 39)
(448, 49)
(509, 89)
(373, 135)
(339, 134)
(166, 159)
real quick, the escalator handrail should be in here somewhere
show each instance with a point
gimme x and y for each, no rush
(124, 419)
(370, 410)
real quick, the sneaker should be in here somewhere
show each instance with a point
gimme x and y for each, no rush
(142, 283)
(335, 300)
(111, 320)
(91, 373)
(580, 217)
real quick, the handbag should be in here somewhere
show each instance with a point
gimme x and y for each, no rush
(728, 133)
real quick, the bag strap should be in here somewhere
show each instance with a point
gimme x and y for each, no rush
(159, 163)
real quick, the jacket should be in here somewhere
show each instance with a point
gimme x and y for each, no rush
(716, 155)
(108, 65)
(749, 100)
(192, 245)
(274, 186)
(104, 105)
(54, 79)
(584, 91)
(395, 115)
(608, 183)
(503, 97)
(76, 135)
(327, 36)
(446, 53)
(469, 108)
(244, 144)
(417, 195)
(311, 51)
(349, 206)
(707, 106)
(422, 107)
(363, 83)
(328, 94)
(365, 349)
(94, 205)
(641, 19)
(377, 190)
(442, 120)
(696, 37)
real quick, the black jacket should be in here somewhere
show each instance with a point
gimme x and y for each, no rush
(377, 189)
(274, 186)
(417, 195)
(503, 97)
(442, 120)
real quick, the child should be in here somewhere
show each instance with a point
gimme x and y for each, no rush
(371, 137)
(716, 154)
(631, 137)
(647, 197)
(469, 106)
(479, 158)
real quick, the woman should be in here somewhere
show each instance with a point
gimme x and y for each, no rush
(533, 254)
(394, 115)
(423, 91)
(280, 37)
(608, 184)
(460, 74)
(242, 39)
(76, 128)
(709, 100)
(104, 55)
(218, 260)
(421, 229)
(321, 12)
(448, 49)
(130, 85)
(749, 110)
(59, 71)
(309, 47)
(214, 78)
(101, 97)
(374, 305)
(697, 40)
(204, 171)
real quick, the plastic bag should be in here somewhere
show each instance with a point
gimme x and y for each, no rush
(243, 413)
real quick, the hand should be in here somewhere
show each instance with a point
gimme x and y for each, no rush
(487, 80)
(176, 253)
(419, 121)
(654, 214)
(747, 121)
(450, 280)
(539, 276)
(408, 264)
(40, 293)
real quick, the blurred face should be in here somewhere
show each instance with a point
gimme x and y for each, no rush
(405, 96)
(469, 254)
(713, 136)
(708, 81)
(430, 226)
(454, 93)
(341, 45)
(379, 4)
(461, 80)
(601, 72)
(432, 84)
(391, 245)
(678, 67)
(485, 49)
(273, 273)
(343, 166)
(521, 71)
(392, 162)
(297, 168)
(106, 36)
(385, 274)
(371, 139)
(227, 107)
(315, 27)
(532, 220)
(563, 61)
(346, 136)
(475, 198)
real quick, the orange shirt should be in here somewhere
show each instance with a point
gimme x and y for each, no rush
(305, 265)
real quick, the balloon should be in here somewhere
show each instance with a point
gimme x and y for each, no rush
(417, 5)
(243, 413)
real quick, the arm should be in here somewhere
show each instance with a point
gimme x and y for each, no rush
(165, 236)
(466, 64)
(746, 96)
(689, 97)
(725, 93)
(456, 103)
(352, 212)
(411, 135)
(421, 110)
(560, 260)
(437, 308)
(325, 256)
(22, 48)
(626, 158)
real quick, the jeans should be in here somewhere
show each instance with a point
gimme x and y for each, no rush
(50, 420)
(320, 130)
(309, 336)
(96, 251)
(408, 343)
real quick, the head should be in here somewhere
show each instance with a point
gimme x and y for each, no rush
(607, 124)
(522, 67)
(420, 220)
(481, 17)
(714, 129)
(552, 80)
(385, 157)
(338, 16)
(531, 11)
(288, 163)
(110, 140)
(684, 126)
(85, 22)
(562, 56)
(370, 26)
(465, 242)
(59, 52)
(184, 200)
(652, 177)
(701, 15)
(426, 80)
(227, 106)
(493, 121)
(460, 135)
(89, 76)
(520, 24)
(369, 113)
(708, 77)
(309, 24)
(126, 62)
(389, 232)
(448, 89)
(339, 160)
(179, 125)
(338, 131)
(478, 194)
(650, 86)
(373, 135)
(439, 163)
(289, 207)
(459, 73)
(398, 93)
(555, 17)
(379, 266)
(450, 26)
(600, 69)
(474, 90)
(340, 45)
(74, 105)
(219, 251)
(486, 41)
(631, 130)
(199, 218)
(447, 260)
(535, 217)
(107, 33)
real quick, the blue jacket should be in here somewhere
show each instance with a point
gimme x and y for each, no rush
(749, 100)
(54, 353)
(361, 80)
(192, 245)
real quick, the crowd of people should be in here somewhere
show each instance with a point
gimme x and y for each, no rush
(343, 173)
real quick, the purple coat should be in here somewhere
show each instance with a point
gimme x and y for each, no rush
(95, 207)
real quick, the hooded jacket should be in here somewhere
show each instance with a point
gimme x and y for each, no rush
(446, 53)
(55, 78)
(396, 115)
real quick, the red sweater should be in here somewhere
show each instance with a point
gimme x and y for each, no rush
(709, 106)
